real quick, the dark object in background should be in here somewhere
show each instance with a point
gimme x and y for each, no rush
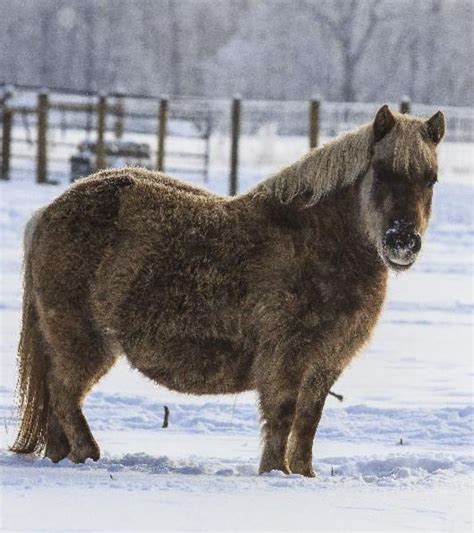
(117, 153)
(81, 165)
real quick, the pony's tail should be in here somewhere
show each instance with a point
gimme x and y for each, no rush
(32, 361)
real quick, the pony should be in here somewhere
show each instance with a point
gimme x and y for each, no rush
(274, 290)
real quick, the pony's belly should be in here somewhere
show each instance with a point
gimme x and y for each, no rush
(196, 366)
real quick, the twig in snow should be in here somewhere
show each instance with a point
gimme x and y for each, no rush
(340, 397)
(166, 419)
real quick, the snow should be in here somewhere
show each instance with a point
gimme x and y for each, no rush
(396, 455)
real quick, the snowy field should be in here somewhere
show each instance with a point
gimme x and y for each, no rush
(396, 455)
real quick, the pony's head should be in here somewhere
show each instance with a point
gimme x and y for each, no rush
(397, 190)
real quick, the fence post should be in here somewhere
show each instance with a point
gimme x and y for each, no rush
(7, 121)
(314, 107)
(405, 105)
(234, 147)
(100, 161)
(162, 130)
(42, 138)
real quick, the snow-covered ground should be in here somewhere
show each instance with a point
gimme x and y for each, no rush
(397, 454)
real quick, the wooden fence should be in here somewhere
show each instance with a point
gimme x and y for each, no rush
(42, 109)
(103, 107)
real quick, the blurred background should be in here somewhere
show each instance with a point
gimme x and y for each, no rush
(343, 50)
(101, 83)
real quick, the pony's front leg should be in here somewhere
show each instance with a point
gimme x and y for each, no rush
(277, 385)
(311, 398)
(278, 409)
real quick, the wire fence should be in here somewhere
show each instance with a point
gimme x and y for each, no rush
(61, 135)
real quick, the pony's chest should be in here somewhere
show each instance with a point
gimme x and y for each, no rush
(341, 307)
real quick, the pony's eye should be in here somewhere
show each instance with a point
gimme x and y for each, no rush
(383, 176)
(431, 180)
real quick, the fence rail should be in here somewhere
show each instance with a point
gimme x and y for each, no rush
(182, 128)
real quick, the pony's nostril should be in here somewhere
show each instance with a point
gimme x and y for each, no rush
(415, 243)
(403, 240)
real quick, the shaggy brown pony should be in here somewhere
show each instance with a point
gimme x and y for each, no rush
(274, 290)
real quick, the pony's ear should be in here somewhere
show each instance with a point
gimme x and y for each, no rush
(383, 122)
(436, 127)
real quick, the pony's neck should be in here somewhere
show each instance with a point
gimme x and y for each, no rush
(339, 216)
(323, 170)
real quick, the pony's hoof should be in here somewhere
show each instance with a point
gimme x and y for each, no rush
(57, 450)
(303, 470)
(267, 467)
(57, 455)
(80, 455)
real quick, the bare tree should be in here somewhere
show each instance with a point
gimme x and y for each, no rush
(89, 17)
(352, 25)
(175, 58)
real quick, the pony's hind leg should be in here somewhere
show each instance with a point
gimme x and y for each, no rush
(79, 358)
(66, 403)
(68, 386)
(57, 444)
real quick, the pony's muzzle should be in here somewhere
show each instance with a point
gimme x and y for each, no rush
(401, 244)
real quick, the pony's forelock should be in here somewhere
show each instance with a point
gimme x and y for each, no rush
(411, 151)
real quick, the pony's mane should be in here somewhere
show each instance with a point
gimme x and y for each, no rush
(332, 166)
(343, 160)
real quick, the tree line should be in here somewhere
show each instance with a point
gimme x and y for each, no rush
(342, 50)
